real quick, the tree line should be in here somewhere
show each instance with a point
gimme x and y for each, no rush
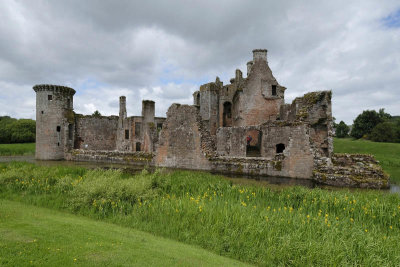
(376, 126)
(17, 130)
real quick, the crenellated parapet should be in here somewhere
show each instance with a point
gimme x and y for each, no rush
(54, 88)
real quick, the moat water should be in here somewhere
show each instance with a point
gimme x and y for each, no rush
(269, 181)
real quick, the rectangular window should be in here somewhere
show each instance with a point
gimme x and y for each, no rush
(126, 134)
(58, 128)
(50, 97)
(273, 89)
(68, 103)
(137, 146)
(70, 132)
(159, 126)
(138, 125)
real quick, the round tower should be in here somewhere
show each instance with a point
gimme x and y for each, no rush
(54, 121)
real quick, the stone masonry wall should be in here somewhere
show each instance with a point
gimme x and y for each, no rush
(297, 160)
(314, 108)
(104, 156)
(96, 133)
(351, 170)
(180, 144)
(257, 105)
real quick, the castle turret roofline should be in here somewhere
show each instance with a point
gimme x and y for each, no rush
(52, 87)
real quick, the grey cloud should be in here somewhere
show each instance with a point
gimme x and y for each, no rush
(129, 47)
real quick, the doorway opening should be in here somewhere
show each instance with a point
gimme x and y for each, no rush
(227, 115)
(253, 143)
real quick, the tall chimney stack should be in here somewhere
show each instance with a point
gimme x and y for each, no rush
(259, 54)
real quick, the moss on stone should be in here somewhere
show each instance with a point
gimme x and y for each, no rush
(152, 126)
(69, 116)
(277, 165)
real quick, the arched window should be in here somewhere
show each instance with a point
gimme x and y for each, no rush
(280, 148)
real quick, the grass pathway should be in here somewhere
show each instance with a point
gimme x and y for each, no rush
(32, 236)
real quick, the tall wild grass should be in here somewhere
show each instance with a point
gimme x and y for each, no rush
(292, 226)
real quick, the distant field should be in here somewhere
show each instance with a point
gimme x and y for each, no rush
(387, 153)
(294, 226)
(41, 237)
(17, 149)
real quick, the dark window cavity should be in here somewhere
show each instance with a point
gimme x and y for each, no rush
(126, 134)
(58, 128)
(138, 125)
(198, 99)
(280, 148)
(42, 112)
(159, 126)
(50, 97)
(138, 146)
(273, 89)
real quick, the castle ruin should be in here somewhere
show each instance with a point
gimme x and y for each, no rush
(244, 127)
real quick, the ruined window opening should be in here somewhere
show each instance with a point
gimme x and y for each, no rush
(126, 134)
(280, 148)
(227, 115)
(58, 128)
(253, 143)
(58, 144)
(50, 97)
(198, 99)
(70, 132)
(137, 128)
(68, 103)
(42, 112)
(159, 126)
(273, 89)
(138, 146)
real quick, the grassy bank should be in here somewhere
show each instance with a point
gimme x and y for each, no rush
(17, 149)
(388, 154)
(43, 237)
(293, 226)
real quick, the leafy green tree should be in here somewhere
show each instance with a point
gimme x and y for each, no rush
(22, 131)
(5, 134)
(365, 122)
(342, 130)
(96, 114)
(385, 132)
(384, 116)
(16, 131)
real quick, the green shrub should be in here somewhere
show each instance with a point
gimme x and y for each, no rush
(385, 132)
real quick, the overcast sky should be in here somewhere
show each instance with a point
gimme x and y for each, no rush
(164, 50)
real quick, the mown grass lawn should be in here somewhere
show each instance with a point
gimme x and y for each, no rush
(33, 236)
(17, 149)
(293, 226)
(388, 154)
